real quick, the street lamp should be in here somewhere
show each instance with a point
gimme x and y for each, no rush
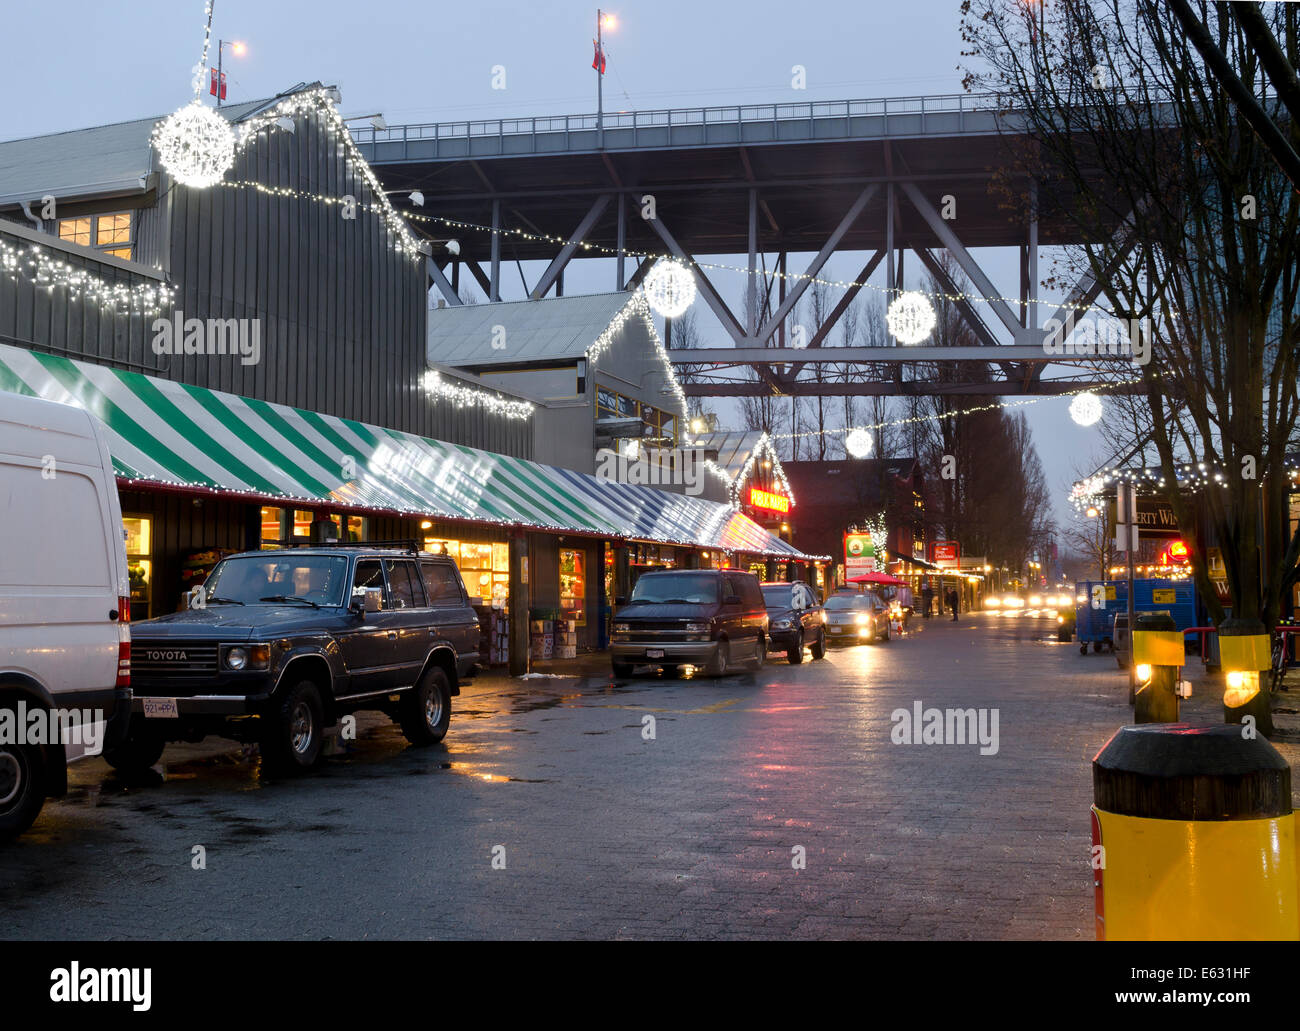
(237, 48)
(603, 21)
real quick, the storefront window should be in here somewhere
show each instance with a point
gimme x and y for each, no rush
(485, 568)
(573, 585)
(139, 563)
(272, 521)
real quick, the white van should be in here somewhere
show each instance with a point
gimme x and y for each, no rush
(65, 638)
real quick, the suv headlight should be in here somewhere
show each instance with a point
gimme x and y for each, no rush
(622, 628)
(251, 656)
(782, 624)
(697, 628)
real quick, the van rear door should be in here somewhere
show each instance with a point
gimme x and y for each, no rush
(63, 566)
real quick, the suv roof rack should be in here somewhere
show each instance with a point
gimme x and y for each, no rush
(409, 544)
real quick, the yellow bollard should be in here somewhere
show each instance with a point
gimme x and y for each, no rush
(1194, 838)
(1157, 659)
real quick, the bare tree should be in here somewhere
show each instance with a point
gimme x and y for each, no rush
(1187, 222)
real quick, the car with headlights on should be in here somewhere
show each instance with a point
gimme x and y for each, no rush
(795, 620)
(709, 619)
(277, 646)
(856, 617)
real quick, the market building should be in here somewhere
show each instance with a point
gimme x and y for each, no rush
(837, 495)
(260, 353)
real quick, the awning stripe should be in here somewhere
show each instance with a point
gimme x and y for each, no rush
(177, 434)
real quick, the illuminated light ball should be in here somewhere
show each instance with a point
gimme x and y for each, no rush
(1085, 409)
(859, 443)
(196, 146)
(910, 317)
(670, 288)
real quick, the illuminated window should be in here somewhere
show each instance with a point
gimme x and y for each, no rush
(109, 233)
(485, 567)
(75, 230)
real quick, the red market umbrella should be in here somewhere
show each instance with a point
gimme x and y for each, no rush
(883, 579)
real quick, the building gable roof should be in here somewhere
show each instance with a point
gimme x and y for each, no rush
(544, 330)
(102, 160)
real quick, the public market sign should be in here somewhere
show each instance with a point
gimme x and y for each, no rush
(767, 499)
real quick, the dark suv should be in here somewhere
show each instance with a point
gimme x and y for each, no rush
(279, 645)
(795, 619)
(709, 618)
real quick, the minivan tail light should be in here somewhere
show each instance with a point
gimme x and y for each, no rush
(123, 642)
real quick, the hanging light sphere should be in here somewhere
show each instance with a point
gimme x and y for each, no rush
(1085, 409)
(670, 288)
(910, 317)
(196, 146)
(858, 443)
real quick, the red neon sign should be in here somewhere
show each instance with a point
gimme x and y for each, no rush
(766, 499)
(1176, 552)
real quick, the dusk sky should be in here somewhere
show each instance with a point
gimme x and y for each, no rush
(78, 64)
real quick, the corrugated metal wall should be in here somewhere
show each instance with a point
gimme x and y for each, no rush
(342, 313)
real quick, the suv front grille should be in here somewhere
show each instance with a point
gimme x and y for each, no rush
(173, 659)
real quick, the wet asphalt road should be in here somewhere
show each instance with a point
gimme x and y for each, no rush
(606, 834)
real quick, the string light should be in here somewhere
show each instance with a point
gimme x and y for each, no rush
(910, 317)
(956, 413)
(309, 103)
(879, 534)
(36, 263)
(1085, 409)
(318, 102)
(763, 446)
(195, 145)
(600, 250)
(858, 442)
(470, 397)
(1189, 477)
(637, 306)
(670, 288)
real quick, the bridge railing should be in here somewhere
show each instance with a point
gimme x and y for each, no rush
(809, 112)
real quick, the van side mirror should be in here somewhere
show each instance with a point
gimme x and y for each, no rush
(370, 599)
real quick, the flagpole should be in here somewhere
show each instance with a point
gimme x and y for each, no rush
(600, 101)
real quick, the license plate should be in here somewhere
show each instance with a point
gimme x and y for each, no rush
(835, 630)
(654, 653)
(160, 708)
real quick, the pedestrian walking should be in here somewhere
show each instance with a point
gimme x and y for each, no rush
(952, 603)
(927, 600)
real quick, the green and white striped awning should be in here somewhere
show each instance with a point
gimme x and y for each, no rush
(176, 435)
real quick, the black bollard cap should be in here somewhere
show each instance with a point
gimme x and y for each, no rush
(1173, 771)
(1154, 621)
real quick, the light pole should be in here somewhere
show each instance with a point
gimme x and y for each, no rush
(603, 21)
(237, 49)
